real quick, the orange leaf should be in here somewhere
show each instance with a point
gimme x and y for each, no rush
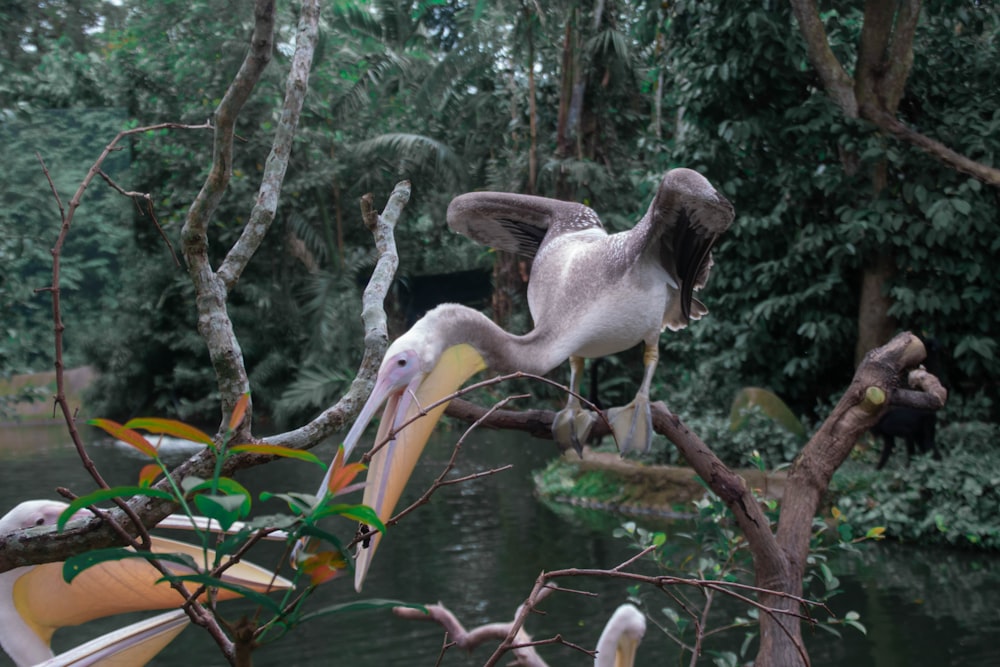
(324, 566)
(126, 435)
(341, 475)
(341, 478)
(239, 410)
(148, 474)
(171, 427)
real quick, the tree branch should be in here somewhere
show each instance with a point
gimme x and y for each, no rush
(276, 164)
(214, 324)
(955, 160)
(376, 332)
(524, 656)
(885, 56)
(837, 83)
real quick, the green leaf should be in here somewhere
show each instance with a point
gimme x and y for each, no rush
(303, 503)
(224, 509)
(74, 565)
(859, 626)
(361, 513)
(213, 582)
(228, 486)
(278, 450)
(963, 207)
(102, 495)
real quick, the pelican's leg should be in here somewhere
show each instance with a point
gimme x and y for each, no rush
(571, 426)
(633, 423)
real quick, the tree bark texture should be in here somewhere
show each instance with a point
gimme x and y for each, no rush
(875, 326)
(885, 56)
(779, 556)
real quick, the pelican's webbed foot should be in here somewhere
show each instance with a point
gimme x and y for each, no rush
(632, 425)
(571, 427)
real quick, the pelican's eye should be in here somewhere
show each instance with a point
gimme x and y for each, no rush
(401, 362)
(40, 521)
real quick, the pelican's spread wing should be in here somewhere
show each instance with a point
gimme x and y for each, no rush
(516, 223)
(683, 224)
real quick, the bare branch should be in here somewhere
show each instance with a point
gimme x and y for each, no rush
(376, 332)
(837, 83)
(266, 203)
(885, 56)
(441, 479)
(136, 197)
(214, 324)
(895, 127)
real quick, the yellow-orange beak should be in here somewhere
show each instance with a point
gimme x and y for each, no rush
(625, 653)
(131, 646)
(35, 601)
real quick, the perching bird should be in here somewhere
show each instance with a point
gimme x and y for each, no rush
(621, 638)
(590, 294)
(35, 600)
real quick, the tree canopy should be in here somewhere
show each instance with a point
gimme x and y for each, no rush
(853, 220)
(587, 103)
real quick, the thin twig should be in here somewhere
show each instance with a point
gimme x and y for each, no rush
(516, 375)
(146, 197)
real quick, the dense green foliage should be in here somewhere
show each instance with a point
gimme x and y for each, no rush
(951, 502)
(68, 141)
(439, 92)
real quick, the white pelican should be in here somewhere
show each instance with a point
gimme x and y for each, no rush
(590, 294)
(35, 600)
(621, 638)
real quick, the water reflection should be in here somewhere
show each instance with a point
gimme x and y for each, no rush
(478, 547)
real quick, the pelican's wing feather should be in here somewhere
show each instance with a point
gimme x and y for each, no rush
(516, 223)
(684, 222)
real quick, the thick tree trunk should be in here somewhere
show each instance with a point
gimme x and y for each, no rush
(779, 556)
(532, 111)
(875, 326)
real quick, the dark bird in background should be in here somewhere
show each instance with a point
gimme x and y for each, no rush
(916, 427)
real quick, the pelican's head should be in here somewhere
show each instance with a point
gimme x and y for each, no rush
(420, 368)
(30, 514)
(621, 638)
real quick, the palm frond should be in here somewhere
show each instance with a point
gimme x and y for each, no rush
(420, 150)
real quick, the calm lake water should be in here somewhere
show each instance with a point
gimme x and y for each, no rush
(478, 548)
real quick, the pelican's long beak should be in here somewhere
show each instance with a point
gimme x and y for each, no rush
(131, 646)
(45, 602)
(392, 465)
(626, 650)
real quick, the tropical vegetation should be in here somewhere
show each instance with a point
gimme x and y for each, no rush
(856, 143)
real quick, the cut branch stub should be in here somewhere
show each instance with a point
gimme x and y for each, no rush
(874, 399)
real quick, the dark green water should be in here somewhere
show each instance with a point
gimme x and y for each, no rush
(478, 548)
